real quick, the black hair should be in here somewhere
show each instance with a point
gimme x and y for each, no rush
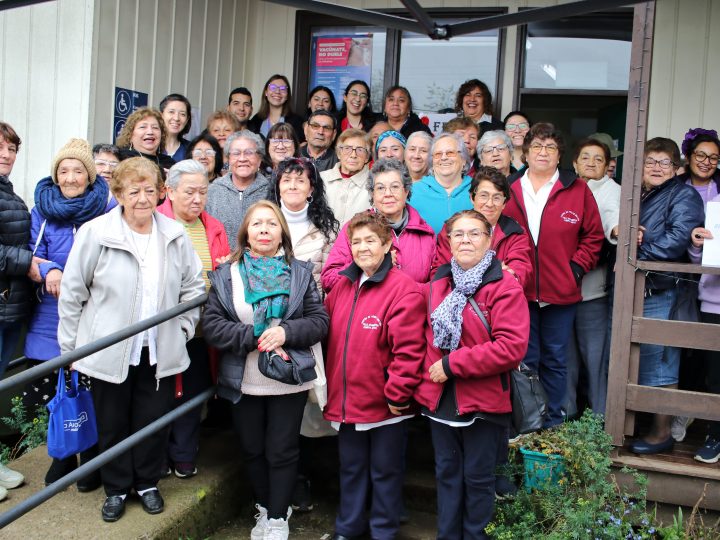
(333, 104)
(213, 142)
(239, 90)
(179, 97)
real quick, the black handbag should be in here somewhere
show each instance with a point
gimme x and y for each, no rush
(529, 400)
(298, 369)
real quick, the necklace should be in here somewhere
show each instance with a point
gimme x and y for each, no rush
(133, 237)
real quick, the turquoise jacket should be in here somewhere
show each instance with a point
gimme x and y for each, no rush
(434, 204)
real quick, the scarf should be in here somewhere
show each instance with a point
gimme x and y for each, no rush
(267, 288)
(447, 318)
(53, 206)
(399, 226)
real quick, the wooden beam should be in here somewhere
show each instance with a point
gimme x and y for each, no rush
(674, 402)
(678, 267)
(687, 335)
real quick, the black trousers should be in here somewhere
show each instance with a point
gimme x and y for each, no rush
(269, 429)
(712, 370)
(123, 409)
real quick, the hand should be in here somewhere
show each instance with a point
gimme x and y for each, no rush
(52, 282)
(281, 352)
(397, 411)
(641, 230)
(615, 231)
(271, 339)
(221, 260)
(698, 236)
(34, 270)
(437, 373)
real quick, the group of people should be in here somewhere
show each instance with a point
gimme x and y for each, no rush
(415, 272)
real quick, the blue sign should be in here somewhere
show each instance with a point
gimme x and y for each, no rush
(126, 101)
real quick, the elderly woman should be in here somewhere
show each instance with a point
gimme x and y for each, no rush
(587, 342)
(398, 112)
(375, 349)
(126, 266)
(494, 149)
(356, 111)
(669, 211)
(176, 113)
(107, 157)
(206, 150)
(321, 98)
(474, 101)
(73, 194)
(476, 332)
(470, 132)
(445, 191)
(221, 124)
(516, 125)
(561, 216)
(417, 154)
(346, 182)
(143, 135)
(413, 241)
(390, 145)
(275, 106)
(187, 194)
(264, 299)
(282, 143)
(231, 195)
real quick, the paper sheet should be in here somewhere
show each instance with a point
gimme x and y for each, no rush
(711, 248)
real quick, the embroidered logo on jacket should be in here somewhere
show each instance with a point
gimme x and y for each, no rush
(568, 216)
(371, 322)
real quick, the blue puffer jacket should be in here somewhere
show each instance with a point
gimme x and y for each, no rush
(669, 213)
(54, 245)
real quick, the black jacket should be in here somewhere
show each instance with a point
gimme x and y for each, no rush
(305, 322)
(16, 289)
(413, 124)
(295, 120)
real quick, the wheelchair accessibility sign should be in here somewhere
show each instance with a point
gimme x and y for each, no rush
(126, 101)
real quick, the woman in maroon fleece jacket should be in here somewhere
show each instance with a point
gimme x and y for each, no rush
(561, 216)
(466, 381)
(375, 351)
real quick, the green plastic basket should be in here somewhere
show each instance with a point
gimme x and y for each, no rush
(541, 470)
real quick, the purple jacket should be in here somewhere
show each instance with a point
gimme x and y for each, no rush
(414, 251)
(709, 288)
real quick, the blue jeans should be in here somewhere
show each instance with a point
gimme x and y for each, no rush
(550, 331)
(9, 336)
(587, 349)
(659, 365)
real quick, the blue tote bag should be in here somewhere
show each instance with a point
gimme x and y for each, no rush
(71, 427)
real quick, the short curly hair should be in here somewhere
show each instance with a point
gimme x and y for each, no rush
(123, 140)
(133, 170)
(374, 221)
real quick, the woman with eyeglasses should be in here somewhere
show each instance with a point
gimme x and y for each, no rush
(356, 111)
(669, 211)
(345, 183)
(495, 150)
(206, 149)
(560, 214)
(445, 189)
(275, 106)
(281, 143)
(517, 124)
(413, 240)
(701, 148)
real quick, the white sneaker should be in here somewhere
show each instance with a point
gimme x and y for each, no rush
(679, 426)
(261, 523)
(277, 529)
(3, 493)
(10, 479)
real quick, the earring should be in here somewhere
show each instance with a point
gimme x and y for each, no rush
(309, 198)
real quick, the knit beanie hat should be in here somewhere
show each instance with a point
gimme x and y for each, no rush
(75, 149)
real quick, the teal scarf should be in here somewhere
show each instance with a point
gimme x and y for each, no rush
(267, 288)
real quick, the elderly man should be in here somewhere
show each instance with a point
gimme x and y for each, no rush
(231, 195)
(320, 134)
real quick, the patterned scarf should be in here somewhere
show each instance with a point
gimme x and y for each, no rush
(267, 287)
(447, 318)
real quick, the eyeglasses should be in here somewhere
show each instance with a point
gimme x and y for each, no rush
(244, 153)
(473, 235)
(348, 150)
(394, 189)
(450, 154)
(551, 149)
(105, 163)
(281, 142)
(315, 125)
(356, 94)
(702, 156)
(664, 163)
(483, 197)
(209, 152)
(277, 87)
(517, 127)
(585, 158)
(490, 149)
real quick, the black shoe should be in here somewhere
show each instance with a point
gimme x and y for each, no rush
(113, 508)
(301, 500)
(59, 468)
(152, 502)
(92, 481)
(504, 488)
(641, 446)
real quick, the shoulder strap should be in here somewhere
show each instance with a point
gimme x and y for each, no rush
(40, 235)
(474, 305)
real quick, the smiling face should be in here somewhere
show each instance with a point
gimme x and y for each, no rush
(368, 251)
(205, 154)
(320, 101)
(240, 107)
(489, 201)
(221, 129)
(280, 148)
(190, 197)
(105, 163)
(8, 154)
(145, 137)
(397, 106)
(517, 127)
(389, 195)
(447, 159)
(277, 92)
(72, 178)
(356, 99)
(473, 104)
(704, 161)
(655, 172)
(175, 117)
(494, 155)
(244, 160)
(469, 241)
(389, 148)
(417, 156)
(264, 232)
(591, 164)
(295, 188)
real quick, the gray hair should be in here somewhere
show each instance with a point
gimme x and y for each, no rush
(465, 155)
(109, 148)
(386, 165)
(245, 134)
(489, 136)
(419, 135)
(186, 166)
